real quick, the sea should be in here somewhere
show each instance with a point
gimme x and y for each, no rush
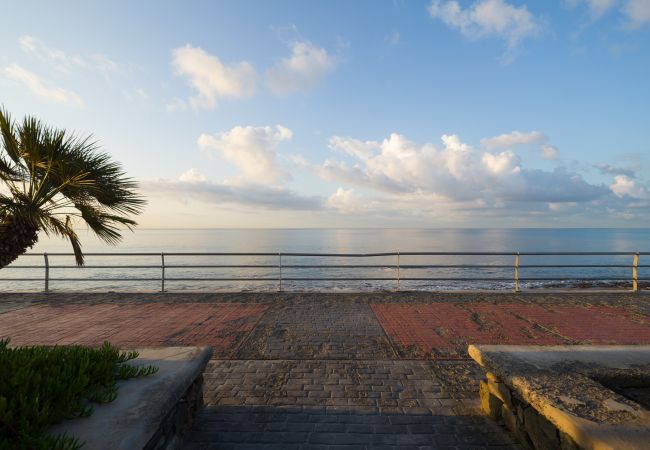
(129, 271)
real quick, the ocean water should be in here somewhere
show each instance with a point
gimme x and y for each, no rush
(64, 276)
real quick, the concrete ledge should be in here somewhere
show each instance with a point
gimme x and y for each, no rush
(553, 397)
(148, 411)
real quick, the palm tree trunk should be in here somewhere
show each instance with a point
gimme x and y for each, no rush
(16, 237)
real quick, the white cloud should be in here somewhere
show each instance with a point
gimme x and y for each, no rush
(455, 173)
(400, 181)
(518, 139)
(192, 175)
(488, 18)
(302, 71)
(501, 163)
(625, 186)
(251, 149)
(597, 8)
(637, 12)
(549, 152)
(57, 58)
(353, 147)
(514, 139)
(346, 200)
(67, 63)
(211, 78)
(193, 185)
(34, 83)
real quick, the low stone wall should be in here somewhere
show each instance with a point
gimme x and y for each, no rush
(179, 420)
(557, 397)
(152, 413)
(532, 429)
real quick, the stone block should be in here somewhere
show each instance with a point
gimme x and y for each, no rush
(501, 391)
(515, 424)
(566, 442)
(490, 404)
(491, 377)
(509, 418)
(543, 434)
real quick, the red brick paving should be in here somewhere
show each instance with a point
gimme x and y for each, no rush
(416, 330)
(590, 324)
(220, 325)
(445, 329)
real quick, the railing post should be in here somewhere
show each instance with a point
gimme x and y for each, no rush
(635, 273)
(47, 272)
(517, 272)
(280, 270)
(162, 272)
(398, 274)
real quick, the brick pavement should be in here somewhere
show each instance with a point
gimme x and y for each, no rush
(257, 427)
(389, 385)
(330, 371)
(221, 325)
(446, 329)
(325, 404)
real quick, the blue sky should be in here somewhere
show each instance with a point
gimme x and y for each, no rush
(338, 113)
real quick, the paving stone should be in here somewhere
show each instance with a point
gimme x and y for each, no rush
(314, 423)
(446, 329)
(285, 381)
(317, 330)
(220, 325)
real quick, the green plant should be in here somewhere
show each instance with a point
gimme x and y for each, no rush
(41, 386)
(51, 180)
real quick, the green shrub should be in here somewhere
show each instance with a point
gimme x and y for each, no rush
(40, 386)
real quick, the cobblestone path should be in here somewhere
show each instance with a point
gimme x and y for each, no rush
(326, 376)
(317, 330)
(348, 404)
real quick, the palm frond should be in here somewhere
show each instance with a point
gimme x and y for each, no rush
(103, 224)
(10, 142)
(54, 225)
(51, 173)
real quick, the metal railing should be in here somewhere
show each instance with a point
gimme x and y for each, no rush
(398, 267)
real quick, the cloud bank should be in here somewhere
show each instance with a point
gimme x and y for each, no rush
(455, 172)
(398, 179)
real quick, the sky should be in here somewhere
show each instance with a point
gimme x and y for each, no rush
(479, 113)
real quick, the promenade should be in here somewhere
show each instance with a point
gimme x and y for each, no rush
(372, 370)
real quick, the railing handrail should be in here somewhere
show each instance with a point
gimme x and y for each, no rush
(163, 265)
(354, 255)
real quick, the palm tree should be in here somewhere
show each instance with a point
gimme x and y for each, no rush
(51, 180)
